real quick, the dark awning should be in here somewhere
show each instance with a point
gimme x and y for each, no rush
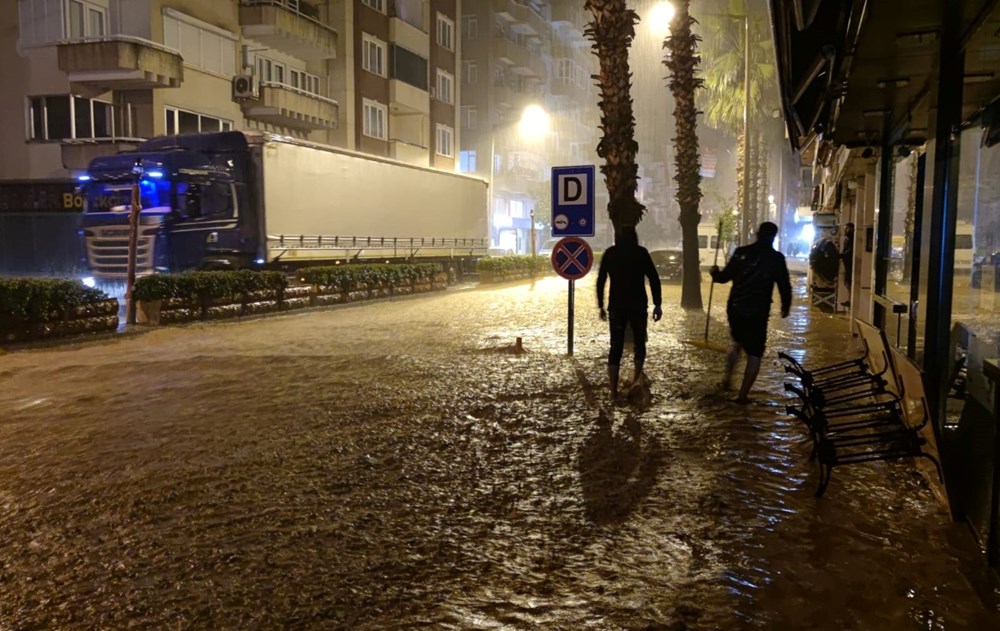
(864, 72)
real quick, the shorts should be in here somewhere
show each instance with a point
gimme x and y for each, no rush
(749, 330)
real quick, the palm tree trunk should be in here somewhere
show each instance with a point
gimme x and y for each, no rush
(682, 61)
(742, 211)
(612, 30)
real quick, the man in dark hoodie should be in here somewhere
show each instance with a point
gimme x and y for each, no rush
(628, 265)
(754, 269)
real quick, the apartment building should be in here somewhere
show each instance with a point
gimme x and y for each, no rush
(518, 53)
(92, 77)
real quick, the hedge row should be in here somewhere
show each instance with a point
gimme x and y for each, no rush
(44, 299)
(347, 277)
(204, 285)
(514, 264)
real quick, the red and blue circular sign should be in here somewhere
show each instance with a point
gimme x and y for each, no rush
(572, 258)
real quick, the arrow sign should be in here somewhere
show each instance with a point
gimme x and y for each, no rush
(572, 258)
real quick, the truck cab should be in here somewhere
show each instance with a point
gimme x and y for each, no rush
(190, 218)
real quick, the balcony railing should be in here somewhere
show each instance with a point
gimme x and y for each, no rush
(409, 11)
(291, 26)
(286, 106)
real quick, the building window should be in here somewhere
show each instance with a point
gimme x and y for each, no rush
(86, 20)
(64, 117)
(470, 27)
(445, 32)
(408, 67)
(470, 116)
(470, 72)
(375, 115)
(275, 73)
(373, 54)
(467, 161)
(185, 122)
(378, 5)
(445, 141)
(202, 45)
(445, 86)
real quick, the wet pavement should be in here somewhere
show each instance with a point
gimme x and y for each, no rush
(392, 466)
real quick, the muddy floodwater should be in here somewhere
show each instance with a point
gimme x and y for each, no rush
(392, 466)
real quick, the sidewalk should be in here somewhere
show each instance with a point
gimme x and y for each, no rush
(393, 465)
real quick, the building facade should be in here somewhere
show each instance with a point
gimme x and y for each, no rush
(516, 54)
(92, 77)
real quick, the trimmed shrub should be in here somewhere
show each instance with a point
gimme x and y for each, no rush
(502, 265)
(348, 277)
(198, 286)
(44, 299)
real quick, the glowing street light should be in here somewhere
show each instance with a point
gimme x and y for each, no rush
(660, 17)
(534, 123)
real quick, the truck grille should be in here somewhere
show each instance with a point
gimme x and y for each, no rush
(107, 251)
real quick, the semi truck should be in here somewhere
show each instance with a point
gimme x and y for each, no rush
(253, 200)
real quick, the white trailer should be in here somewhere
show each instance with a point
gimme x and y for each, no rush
(327, 203)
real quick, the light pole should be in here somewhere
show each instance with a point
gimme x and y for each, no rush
(532, 126)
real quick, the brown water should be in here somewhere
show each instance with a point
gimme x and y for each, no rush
(388, 466)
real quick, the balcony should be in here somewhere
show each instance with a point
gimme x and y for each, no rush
(407, 99)
(120, 62)
(286, 106)
(528, 17)
(290, 26)
(522, 59)
(77, 154)
(409, 153)
(409, 37)
(569, 20)
(562, 86)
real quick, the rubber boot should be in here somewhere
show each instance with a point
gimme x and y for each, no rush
(613, 378)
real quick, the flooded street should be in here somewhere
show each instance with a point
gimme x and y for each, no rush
(391, 466)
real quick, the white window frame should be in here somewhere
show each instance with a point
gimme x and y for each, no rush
(444, 132)
(224, 123)
(381, 112)
(470, 72)
(378, 5)
(445, 84)
(72, 118)
(445, 31)
(470, 116)
(470, 27)
(87, 8)
(368, 44)
(176, 24)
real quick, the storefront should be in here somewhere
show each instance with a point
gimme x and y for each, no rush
(918, 117)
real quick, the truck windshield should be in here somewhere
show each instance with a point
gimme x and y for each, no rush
(104, 197)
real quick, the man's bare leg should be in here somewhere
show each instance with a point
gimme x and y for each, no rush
(749, 376)
(731, 358)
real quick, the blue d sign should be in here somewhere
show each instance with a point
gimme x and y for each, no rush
(573, 201)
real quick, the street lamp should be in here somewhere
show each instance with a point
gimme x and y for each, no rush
(533, 125)
(660, 17)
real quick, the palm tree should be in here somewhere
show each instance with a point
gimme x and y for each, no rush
(724, 96)
(682, 61)
(612, 30)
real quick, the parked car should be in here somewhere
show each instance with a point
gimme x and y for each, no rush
(499, 252)
(669, 264)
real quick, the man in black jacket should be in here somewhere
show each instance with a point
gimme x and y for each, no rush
(754, 269)
(629, 265)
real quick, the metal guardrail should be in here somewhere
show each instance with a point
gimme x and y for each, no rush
(299, 91)
(396, 244)
(294, 7)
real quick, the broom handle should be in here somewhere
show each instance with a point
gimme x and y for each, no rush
(711, 288)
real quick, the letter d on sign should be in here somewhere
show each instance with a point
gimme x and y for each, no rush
(572, 189)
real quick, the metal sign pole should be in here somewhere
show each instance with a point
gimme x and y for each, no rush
(569, 332)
